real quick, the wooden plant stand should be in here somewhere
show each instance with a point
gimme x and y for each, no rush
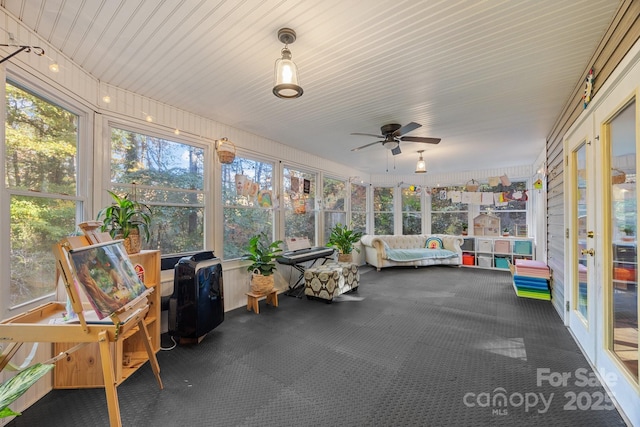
(42, 324)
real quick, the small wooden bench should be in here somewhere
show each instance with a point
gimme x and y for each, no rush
(253, 298)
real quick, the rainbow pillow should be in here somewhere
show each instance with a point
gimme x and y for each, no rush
(434, 243)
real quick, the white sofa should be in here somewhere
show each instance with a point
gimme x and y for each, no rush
(388, 251)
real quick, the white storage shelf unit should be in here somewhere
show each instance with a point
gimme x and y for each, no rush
(496, 252)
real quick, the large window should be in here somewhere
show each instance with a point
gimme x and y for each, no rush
(247, 198)
(169, 177)
(447, 216)
(512, 211)
(359, 208)
(383, 210)
(333, 196)
(41, 173)
(299, 204)
(411, 211)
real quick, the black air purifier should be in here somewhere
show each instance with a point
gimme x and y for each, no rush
(197, 303)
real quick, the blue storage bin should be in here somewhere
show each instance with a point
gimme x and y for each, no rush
(502, 262)
(522, 247)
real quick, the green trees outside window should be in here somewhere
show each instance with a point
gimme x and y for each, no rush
(247, 204)
(169, 177)
(383, 210)
(41, 154)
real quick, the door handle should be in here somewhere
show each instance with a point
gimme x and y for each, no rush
(591, 252)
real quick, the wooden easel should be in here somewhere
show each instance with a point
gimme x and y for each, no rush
(37, 325)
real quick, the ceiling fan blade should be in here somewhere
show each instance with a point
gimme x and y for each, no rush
(407, 128)
(420, 139)
(396, 151)
(366, 145)
(368, 134)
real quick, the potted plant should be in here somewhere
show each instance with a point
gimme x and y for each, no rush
(125, 219)
(263, 262)
(505, 231)
(465, 227)
(343, 240)
(629, 231)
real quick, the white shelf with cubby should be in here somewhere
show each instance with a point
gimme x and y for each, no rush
(496, 252)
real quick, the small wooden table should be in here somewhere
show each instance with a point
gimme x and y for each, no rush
(253, 298)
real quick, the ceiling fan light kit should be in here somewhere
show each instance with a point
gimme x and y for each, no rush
(421, 166)
(286, 73)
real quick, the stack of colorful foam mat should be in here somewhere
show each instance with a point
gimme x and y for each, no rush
(531, 279)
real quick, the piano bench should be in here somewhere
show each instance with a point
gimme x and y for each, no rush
(330, 280)
(253, 298)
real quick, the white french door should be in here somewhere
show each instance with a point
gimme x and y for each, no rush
(580, 244)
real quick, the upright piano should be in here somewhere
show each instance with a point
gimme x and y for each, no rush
(297, 259)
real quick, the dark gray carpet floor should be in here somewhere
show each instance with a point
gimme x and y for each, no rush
(434, 346)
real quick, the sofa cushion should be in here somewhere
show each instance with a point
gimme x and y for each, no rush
(434, 243)
(418, 254)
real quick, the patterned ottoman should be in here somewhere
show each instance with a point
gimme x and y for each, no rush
(330, 280)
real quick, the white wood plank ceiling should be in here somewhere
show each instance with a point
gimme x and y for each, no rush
(488, 77)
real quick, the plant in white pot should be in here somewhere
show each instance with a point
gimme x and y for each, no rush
(126, 219)
(343, 239)
(262, 255)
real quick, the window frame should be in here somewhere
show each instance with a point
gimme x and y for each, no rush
(317, 195)
(84, 176)
(346, 206)
(274, 192)
(102, 198)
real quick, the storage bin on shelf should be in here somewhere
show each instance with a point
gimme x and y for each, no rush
(502, 262)
(502, 247)
(485, 245)
(485, 261)
(522, 247)
(468, 259)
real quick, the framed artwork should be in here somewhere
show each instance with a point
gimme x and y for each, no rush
(105, 273)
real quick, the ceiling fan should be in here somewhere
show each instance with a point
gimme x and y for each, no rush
(393, 134)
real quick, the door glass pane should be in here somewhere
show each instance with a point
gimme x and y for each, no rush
(580, 174)
(624, 219)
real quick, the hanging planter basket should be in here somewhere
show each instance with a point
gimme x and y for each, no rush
(472, 185)
(226, 151)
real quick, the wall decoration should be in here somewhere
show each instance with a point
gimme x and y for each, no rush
(243, 184)
(504, 180)
(588, 89)
(538, 184)
(264, 199)
(306, 186)
(295, 185)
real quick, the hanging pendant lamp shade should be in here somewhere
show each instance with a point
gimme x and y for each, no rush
(421, 166)
(286, 73)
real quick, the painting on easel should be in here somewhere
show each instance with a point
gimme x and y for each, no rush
(106, 275)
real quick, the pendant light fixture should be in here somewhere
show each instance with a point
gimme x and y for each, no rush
(286, 78)
(421, 166)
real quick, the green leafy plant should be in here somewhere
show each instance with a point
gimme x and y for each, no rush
(15, 387)
(343, 239)
(262, 254)
(505, 230)
(628, 229)
(125, 215)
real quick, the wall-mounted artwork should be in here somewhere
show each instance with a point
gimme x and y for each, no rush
(106, 275)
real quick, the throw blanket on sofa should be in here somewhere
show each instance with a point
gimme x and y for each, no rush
(417, 254)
